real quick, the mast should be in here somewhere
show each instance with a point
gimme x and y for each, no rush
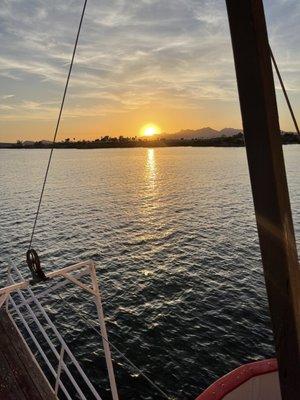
(269, 184)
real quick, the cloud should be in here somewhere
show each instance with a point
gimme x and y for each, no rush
(7, 96)
(132, 54)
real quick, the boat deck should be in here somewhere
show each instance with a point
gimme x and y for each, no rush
(20, 376)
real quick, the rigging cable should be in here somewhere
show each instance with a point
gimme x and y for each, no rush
(57, 124)
(284, 91)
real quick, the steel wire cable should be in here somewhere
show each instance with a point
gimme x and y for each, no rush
(284, 91)
(57, 123)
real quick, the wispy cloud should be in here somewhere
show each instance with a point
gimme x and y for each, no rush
(132, 54)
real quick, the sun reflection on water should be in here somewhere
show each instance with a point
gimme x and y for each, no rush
(151, 168)
(149, 201)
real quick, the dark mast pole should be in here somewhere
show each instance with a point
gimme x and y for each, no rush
(269, 184)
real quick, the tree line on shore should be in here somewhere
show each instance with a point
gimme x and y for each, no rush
(128, 142)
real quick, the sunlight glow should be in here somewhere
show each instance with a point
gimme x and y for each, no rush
(150, 130)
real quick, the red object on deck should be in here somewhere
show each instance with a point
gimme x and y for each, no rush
(236, 378)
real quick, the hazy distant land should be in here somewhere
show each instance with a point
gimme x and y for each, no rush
(204, 137)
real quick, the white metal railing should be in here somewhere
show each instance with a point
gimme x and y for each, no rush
(32, 315)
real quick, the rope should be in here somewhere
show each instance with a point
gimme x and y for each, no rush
(57, 123)
(284, 91)
(86, 320)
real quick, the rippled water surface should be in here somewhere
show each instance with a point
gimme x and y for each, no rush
(173, 233)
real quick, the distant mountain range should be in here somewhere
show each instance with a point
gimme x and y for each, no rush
(202, 133)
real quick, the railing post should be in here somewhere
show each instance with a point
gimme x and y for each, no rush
(9, 280)
(269, 184)
(103, 330)
(59, 357)
(59, 368)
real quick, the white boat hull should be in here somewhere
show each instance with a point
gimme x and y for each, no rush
(254, 381)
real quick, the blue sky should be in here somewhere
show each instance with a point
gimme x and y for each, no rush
(168, 62)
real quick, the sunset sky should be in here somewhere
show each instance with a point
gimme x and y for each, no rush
(166, 62)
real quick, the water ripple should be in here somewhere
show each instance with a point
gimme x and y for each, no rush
(173, 233)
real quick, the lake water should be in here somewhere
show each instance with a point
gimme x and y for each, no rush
(173, 233)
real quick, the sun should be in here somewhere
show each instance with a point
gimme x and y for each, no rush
(150, 130)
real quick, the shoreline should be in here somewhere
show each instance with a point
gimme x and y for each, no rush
(122, 142)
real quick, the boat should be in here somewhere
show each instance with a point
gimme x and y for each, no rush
(261, 380)
(256, 380)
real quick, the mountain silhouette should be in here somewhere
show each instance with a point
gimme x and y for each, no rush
(202, 133)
